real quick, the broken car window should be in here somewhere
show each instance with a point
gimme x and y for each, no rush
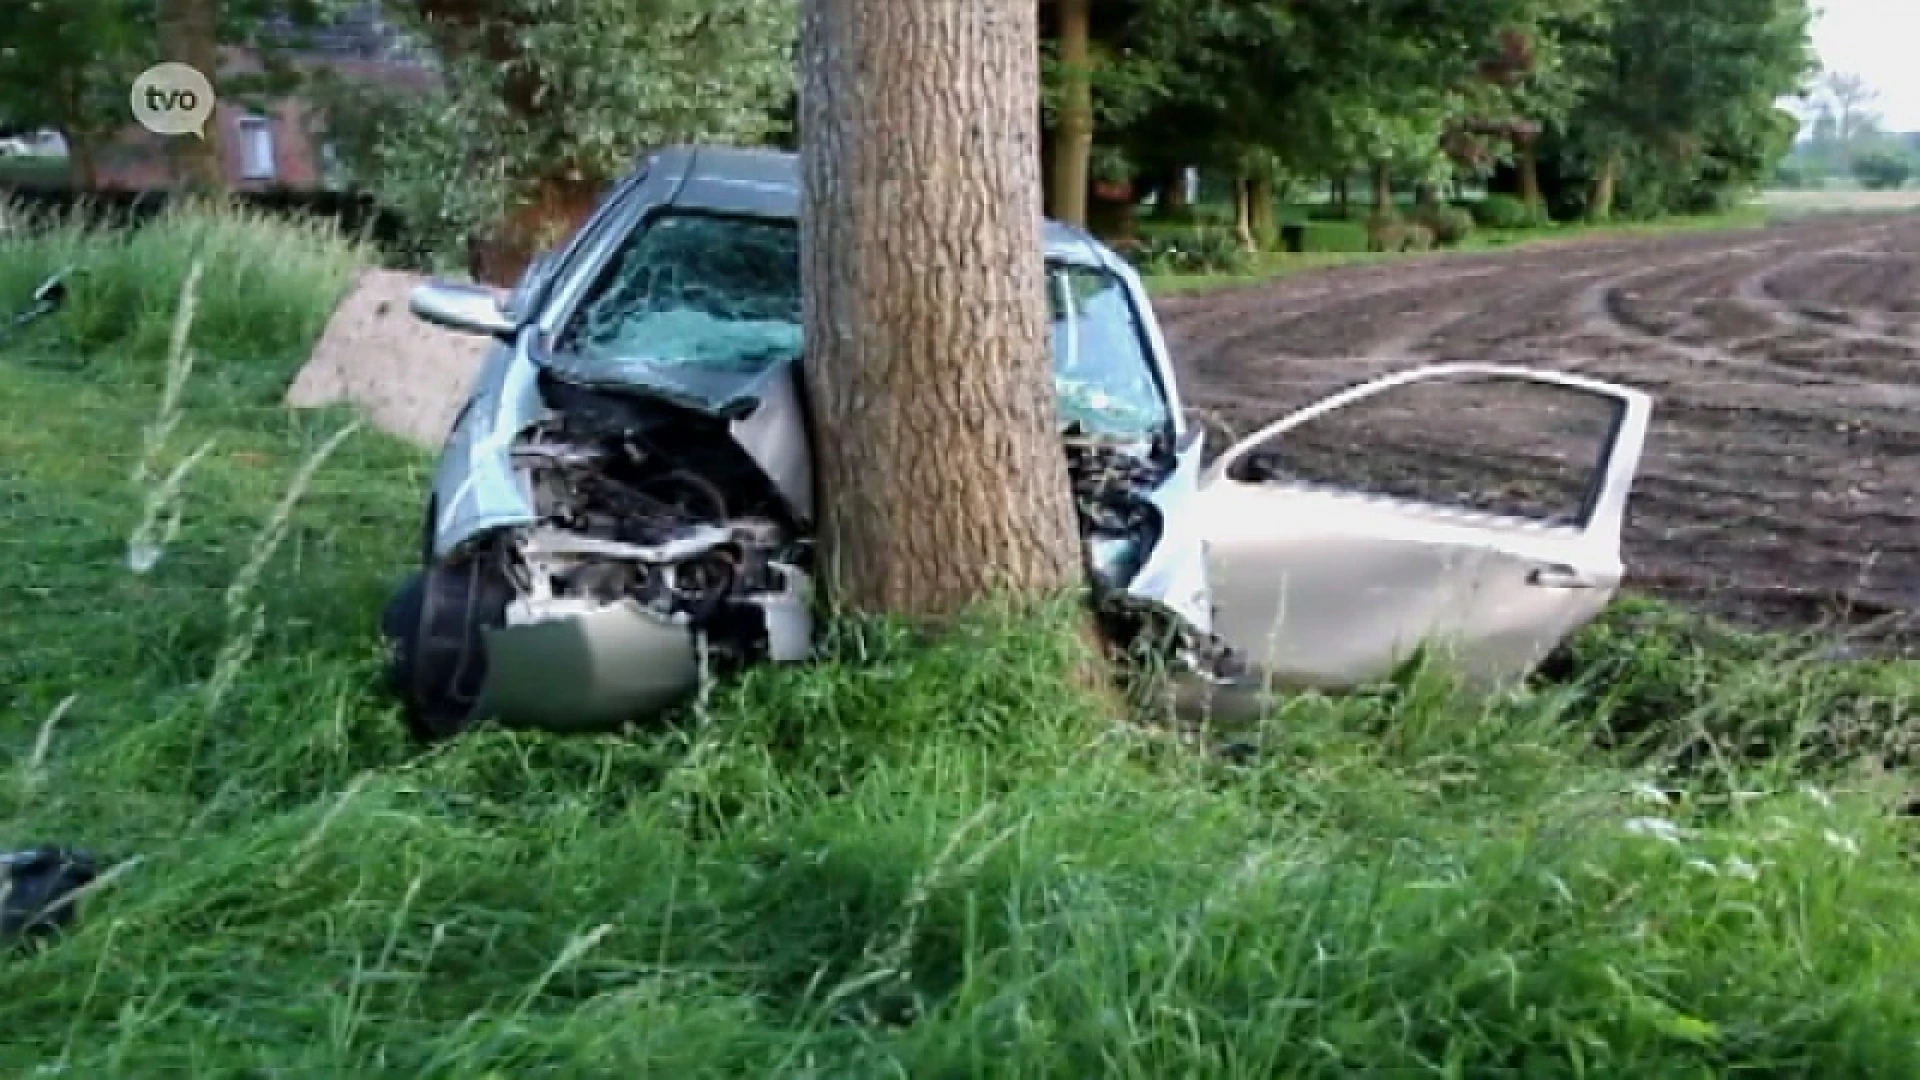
(692, 294)
(1101, 368)
(705, 304)
(1511, 447)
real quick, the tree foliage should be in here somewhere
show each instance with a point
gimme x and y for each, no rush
(65, 65)
(544, 101)
(1883, 170)
(1677, 91)
(1677, 100)
(1655, 106)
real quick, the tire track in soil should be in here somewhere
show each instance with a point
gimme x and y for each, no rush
(1781, 483)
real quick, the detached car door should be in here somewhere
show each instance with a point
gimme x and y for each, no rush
(1475, 510)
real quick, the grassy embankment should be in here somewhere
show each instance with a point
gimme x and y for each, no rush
(938, 861)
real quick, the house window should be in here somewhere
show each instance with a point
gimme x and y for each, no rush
(333, 174)
(256, 149)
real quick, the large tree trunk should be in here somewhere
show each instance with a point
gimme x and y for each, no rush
(1527, 164)
(189, 32)
(1073, 141)
(1243, 214)
(1173, 194)
(83, 160)
(1605, 180)
(1382, 188)
(1261, 218)
(926, 317)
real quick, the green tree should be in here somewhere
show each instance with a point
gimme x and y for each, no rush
(545, 101)
(1093, 79)
(1275, 88)
(66, 65)
(1666, 80)
(1882, 170)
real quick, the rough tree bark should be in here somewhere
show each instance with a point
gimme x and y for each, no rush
(1073, 139)
(1262, 220)
(189, 32)
(1243, 215)
(1382, 189)
(83, 160)
(1605, 180)
(1527, 163)
(83, 170)
(1173, 194)
(926, 319)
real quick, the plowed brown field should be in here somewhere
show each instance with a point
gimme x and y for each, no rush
(1781, 483)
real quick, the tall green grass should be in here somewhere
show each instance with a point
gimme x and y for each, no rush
(921, 859)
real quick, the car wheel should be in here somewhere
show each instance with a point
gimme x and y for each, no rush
(435, 627)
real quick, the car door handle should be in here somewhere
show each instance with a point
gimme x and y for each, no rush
(1559, 577)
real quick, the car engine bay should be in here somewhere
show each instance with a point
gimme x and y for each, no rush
(642, 501)
(1119, 524)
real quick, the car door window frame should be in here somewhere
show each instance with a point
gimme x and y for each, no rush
(1601, 504)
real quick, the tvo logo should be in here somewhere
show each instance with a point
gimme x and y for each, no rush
(173, 99)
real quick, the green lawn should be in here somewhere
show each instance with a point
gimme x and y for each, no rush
(932, 861)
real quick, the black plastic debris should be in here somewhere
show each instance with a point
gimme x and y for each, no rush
(50, 296)
(37, 887)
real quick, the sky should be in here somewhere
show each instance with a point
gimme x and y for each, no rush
(1878, 40)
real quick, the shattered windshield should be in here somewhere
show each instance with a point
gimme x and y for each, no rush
(702, 305)
(699, 302)
(1101, 368)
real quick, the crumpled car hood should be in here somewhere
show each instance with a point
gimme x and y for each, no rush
(727, 394)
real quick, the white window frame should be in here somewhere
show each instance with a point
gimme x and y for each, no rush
(254, 166)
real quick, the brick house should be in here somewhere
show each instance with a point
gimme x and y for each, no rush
(281, 147)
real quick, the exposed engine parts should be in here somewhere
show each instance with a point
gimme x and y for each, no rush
(644, 503)
(1119, 524)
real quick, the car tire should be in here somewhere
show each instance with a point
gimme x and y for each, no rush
(435, 627)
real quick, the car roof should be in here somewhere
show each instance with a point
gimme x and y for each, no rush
(763, 182)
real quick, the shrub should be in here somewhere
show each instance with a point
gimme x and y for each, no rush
(1798, 176)
(1199, 250)
(1387, 230)
(1882, 170)
(1451, 225)
(1507, 212)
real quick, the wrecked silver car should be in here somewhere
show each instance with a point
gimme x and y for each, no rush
(624, 506)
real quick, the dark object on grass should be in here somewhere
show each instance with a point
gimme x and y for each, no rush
(48, 298)
(37, 887)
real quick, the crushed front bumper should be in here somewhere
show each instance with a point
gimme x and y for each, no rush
(590, 667)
